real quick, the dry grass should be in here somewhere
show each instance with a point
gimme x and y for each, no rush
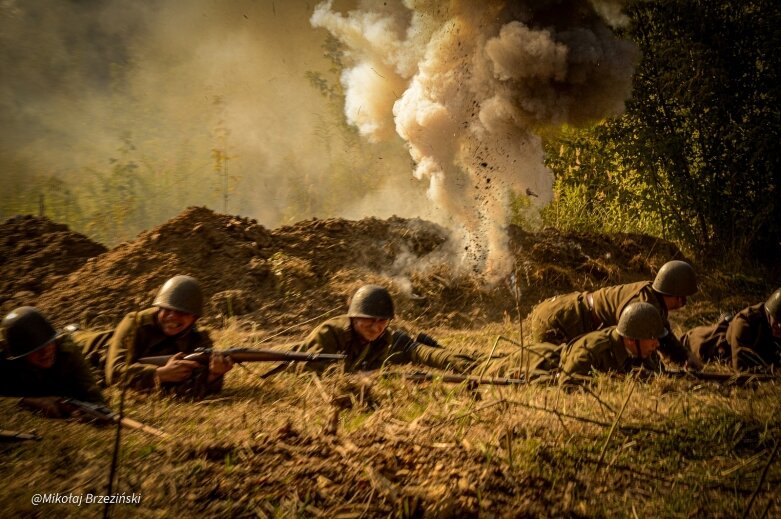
(282, 447)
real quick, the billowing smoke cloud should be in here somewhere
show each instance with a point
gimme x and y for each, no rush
(469, 86)
(90, 84)
(165, 82)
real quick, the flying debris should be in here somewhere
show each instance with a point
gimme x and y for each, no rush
(470, 85)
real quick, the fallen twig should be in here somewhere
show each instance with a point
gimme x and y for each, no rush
(599, 400)
(488, 360)
(613, 427)
(585, 419)
(469, 412)
(761, 481)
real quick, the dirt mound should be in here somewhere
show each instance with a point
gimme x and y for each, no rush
(35, 253)
(245, 270)
(274, 279)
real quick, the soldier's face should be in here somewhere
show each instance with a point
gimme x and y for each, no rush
(643, 348)
(674, 302)
(369, 329)
(775, 327)
(43, 358)
(174, 322)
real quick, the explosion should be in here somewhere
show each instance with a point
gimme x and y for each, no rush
(470, 86)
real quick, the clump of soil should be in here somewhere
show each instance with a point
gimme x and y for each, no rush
(274, 279)
(35, 253)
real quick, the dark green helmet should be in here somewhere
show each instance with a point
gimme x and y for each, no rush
(182, 293)
(26, 330)
(676, 278)
(641, 321)
(371, 301)
(773, 305)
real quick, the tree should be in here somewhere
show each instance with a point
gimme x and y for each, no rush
(701, 129)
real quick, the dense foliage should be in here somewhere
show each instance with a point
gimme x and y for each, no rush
(695, 157)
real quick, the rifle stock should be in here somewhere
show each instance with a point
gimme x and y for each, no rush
(16, 436)
(103, 414)
(248, 355)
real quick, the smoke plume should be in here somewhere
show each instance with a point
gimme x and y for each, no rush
(91, 84)
(469, 86)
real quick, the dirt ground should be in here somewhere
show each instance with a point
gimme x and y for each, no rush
(272, 280)
(282, 447)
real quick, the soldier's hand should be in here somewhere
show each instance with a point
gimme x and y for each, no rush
(693, 363)
(219, 364)
(48, 405)
(176, 369)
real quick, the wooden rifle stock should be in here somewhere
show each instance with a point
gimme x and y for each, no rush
(106, 415)
(16, 436)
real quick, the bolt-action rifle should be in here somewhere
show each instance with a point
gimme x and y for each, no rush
(7, 435)
(103, 414)
(734, 379)
(239, 355)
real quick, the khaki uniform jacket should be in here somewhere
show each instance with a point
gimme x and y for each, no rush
(751, 339)
(70, 376)
(564, 318)
(533, 361)
(337, 336)
(137, 336)
(601, 351)
(709, 342)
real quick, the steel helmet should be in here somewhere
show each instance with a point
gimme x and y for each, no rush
(641, 321)
(182, 293)
(26, 330)
(371, 301)
(773, 305)
(676, 278)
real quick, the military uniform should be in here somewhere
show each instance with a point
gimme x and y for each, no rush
(139, 335)
(709, 342)
(564, 318)
(535, 360)
(752, 341)
(94, 347)
(70, 376)
(338, 336)
(600, 351)
(561, 318)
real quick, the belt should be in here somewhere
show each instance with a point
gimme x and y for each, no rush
(595, 320)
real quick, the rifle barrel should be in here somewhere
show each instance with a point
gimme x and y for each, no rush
(253, 355)
(731, 378)
(249, 355)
